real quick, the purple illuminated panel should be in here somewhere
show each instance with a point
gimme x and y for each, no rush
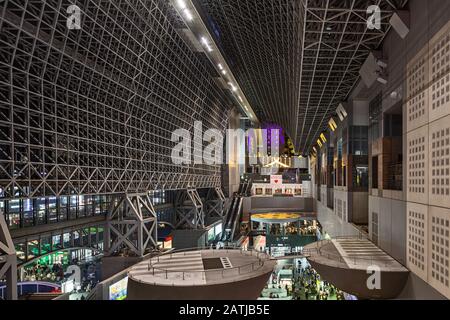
(271, 129)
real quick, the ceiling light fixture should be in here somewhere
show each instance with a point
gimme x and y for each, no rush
(184, 10)
(232, 86)
(319, 143)
(206, 44)
(332, 124)
(181, 4)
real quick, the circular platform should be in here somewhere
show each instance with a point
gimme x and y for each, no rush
(277, 217)
(201, 275)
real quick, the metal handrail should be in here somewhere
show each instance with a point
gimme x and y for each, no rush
(343, 258)
(223, 272)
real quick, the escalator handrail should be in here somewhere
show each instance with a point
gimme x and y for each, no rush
(236, 217)
(228, 218)
(232, 213)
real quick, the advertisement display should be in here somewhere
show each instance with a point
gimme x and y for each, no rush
(118, 290)
(276, 179)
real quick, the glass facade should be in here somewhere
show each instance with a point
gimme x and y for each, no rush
(22, 213)
(375, 117)
(32, 247)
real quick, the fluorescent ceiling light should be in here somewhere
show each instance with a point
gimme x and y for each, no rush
(319, 143)
(188, 15)
(206, 44)
(233, 87)
(332, 124)
(181, 4)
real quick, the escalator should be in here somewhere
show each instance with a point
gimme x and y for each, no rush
(234, 212)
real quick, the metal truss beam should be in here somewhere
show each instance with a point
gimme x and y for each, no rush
(132, 225)
(215, 203)
(8, 260)
(92, 111)
(189, 210)
(298, 59)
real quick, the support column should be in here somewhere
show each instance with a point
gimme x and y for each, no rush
(8, 260)
(189, 210)
(215, 205)
(131, 224)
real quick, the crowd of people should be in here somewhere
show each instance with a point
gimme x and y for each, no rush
(57, 273)
(308, 285)
(293, 229)
(43, 272)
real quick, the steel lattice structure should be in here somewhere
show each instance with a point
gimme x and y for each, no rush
(92, 111)
(298, 59)
(336, 44)
(262, 41)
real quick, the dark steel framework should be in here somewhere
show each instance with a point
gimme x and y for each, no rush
(261, 39)
(92, 111)
(296, 60)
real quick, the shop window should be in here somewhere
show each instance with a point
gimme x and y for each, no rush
(66, 240)
(81, 207)
(375, 172)
(361, 177)
(63, 208)
(40, 211)
(268, 191)
(76, 239)
(56, 242)
(14, 208)
(52, 210)
(73, 207)
(46, 245)
(20, 252)
(33, 249)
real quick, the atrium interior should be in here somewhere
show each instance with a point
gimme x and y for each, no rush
(224, 150)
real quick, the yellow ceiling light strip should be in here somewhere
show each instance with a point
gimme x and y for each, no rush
(332, 124)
